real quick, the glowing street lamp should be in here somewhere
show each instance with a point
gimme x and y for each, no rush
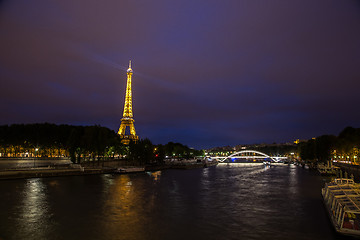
(36, 150)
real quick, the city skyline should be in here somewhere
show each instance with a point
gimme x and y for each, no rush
(205, 73)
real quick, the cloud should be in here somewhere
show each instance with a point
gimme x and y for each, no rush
(205, 73)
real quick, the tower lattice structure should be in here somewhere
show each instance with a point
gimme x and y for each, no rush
(128, 121)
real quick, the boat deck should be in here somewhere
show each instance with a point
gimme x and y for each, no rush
(348, 195)
(342, 200)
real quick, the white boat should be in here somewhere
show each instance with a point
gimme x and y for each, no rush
(342, 201)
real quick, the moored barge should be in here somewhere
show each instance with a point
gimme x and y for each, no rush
(342, 201)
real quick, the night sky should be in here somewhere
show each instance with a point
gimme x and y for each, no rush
(206, 72)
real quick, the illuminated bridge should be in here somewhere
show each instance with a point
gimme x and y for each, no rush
(249, 155)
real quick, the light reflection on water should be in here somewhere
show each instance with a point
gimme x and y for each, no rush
(33, 213)
(156, 175)
(229, 201)
(122, 209)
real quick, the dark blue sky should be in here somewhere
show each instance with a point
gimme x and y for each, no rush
(206, 72)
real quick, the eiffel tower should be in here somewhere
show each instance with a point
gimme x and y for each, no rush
(127, 120)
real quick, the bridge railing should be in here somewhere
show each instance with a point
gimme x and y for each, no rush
(245, 155)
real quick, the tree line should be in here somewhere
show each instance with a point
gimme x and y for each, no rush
(85, 143)
(323, 148)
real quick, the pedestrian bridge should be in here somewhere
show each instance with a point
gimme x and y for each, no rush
(248, 154)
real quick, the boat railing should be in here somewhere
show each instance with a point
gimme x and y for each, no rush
(343, 181)
(342, 199)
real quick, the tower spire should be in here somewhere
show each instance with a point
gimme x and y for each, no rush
(129, 69)
(127, 121)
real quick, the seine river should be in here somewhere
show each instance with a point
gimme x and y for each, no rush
(229, 201)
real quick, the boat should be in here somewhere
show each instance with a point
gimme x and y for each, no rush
(342, 201)
(210, 163)
(129, 170)
(328, 169)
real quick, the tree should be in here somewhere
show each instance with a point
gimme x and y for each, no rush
(141, 152)
(323, 146)
(307, 150)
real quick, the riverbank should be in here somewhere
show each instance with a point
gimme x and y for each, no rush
(50, 172)
(87, 169)
(350, 170)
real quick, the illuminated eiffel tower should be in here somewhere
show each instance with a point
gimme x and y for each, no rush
(127, 120)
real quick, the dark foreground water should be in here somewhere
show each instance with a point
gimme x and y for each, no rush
(236, 201)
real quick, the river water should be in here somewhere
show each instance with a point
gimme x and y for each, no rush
(229, 201)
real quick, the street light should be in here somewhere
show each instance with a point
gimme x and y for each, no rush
(36, 150)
